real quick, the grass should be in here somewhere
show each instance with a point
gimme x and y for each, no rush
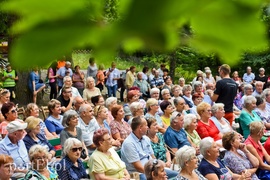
(83, 58)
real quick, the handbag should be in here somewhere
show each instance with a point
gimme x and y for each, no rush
(83, 154)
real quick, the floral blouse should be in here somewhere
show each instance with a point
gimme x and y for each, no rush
(35, 175)
(159, 148)
(123, 128)
(201, 177)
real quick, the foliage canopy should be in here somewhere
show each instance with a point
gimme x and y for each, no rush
(48, 29)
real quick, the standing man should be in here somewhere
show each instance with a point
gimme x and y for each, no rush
(226, 90)
(113, 74)
(130, 77)
(62, 72)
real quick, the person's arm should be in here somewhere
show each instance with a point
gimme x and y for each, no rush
(253, 151)
(214, 97)
(253, 160)
(117, 136)
(64, 109)
(211, 176)
(49, 135)
(138, 166)
(168, 158)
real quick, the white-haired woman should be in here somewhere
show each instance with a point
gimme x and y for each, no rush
(38, 156)
(109, 103)
(188, 162)
(136, 109)
(190, 126)
(90, 89)
(248, 90)
(70, 122)
(221, 123)
(71, 167)
(248, 114)
(213, 168)
(187, 89)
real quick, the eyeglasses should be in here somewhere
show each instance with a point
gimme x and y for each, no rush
(41, 158)
(155, 162)
(74, 117)
(76, 149)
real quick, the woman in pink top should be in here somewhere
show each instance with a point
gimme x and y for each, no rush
(9, 111)
(52, 80)
(256, 148)
(78, 79)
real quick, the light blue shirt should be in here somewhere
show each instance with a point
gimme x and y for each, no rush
(62, 72)
(134, 149)
(17, 151)
(156, 117)
(248, 78)
(114, 74)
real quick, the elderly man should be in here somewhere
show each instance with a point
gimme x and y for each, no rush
(136, 149)
(175, 136)
(14, 146)
(77, 103)
(180, 104)
(258, 88)
(142, 84)
(62, 72)
(157, 81)
(68, 83)
(248, 77)
(88, 125)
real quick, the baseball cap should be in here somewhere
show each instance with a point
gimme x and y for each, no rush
(16, 125)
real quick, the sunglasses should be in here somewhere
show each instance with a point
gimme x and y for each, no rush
(13, 111)
(76, 149)
(155, 162)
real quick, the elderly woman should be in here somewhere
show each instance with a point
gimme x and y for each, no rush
(168, 83)
(120, 129)
(154, 169)
(152, 109)
(54, 121)
(154, 93)
(33, 110)
(166, 96)
(176, 92)
(9, 111)
(105, 163)
(248, 90)
(188, 162)
(157, 142)
(109, 103)
(187, 89)
(198, 87)
(70, 122)
(182, 82)
(213, 168)
(136, 109)
(39, 156)
(190, 126)
(255, 147)
(71, 167)
(206, 127)
(34, 136)
(90, 89)
(237, 158)
(197, 98)
(236, 78)
(248, 114)
(6, 167)
(132, 96)
(167, 109)
(262, 111)
(220, 122)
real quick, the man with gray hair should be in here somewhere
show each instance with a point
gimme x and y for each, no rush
(68, 83)
(258, 88)
(266, 96)
(175, 136)
(142, 84)
(88, 125)
(179, 104)
(62, 72)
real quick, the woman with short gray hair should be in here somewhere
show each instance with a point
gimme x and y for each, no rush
(136, 109)
(248, 90)
(211, 167)
(188, 162)
(190, 126)
(70, 122)
(38, 156)
(248, 115)
(154, 93)
(221, 123)
(109, 103)
(71, 166)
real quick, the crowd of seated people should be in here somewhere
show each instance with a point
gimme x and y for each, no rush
(191, 126)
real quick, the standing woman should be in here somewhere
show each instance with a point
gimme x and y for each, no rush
(100, 77)
(52, 76)
(92, 68)
(10, 77)
(78, 79)
(34, 83)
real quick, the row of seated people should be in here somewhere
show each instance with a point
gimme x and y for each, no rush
(241, 161)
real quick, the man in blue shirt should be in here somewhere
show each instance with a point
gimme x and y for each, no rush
(175, 136)
(13, 146)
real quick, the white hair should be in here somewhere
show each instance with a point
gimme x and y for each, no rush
(164, 91)
(249, 100)
(37, 149)
(246, 87)
(188, 120)
(66, 78)
(83, 108)
(205, 145)
(69, 143)
(153, 90)
(109, 101)
(134, 107)
(184, 154)
(216, 107)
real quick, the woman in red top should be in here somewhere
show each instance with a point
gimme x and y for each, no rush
(206, 127)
